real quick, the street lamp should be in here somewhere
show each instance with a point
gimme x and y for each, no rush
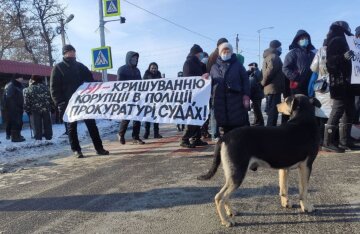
(259, 31)
(61, 28)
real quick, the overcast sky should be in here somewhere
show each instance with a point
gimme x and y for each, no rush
(160, 41)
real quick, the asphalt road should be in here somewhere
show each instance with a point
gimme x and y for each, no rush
(152, 188)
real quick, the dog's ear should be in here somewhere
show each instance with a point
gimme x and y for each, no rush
(315, 102)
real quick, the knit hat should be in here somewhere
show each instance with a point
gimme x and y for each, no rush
(225, 45)
(67, 48)
(220, 41)
(275, 44)
(253, 64)
(342, 24)
(357, 31)
(195, 49)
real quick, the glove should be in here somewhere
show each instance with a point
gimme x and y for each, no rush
(62, 107)
(246, 101)
(349, 55)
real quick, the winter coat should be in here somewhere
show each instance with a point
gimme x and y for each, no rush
(230, 83)
(338, 67)
(273, 79)
(256, 90)
(13, 98)
(193, 66)
(37, 98)
(65, 78)
(297, 63)
(128, 71)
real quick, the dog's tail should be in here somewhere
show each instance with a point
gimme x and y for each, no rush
(216, 162)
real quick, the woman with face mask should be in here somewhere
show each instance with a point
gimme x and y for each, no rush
(297, 63)
(230, 91)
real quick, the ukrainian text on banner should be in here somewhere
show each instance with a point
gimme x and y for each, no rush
(178, 100)
(354, 45)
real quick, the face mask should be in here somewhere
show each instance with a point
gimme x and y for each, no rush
(225, 57)
(304, 42)
(134, 61)
(279, 51)
(70, 59)
(204, 60)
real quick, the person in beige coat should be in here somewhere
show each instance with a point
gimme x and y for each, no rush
(273, 80)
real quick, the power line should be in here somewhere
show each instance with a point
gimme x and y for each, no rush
(171, 22)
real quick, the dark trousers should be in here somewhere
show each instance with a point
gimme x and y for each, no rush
(14, 122)
(156, 127)
(258, 117)
(41, 125)
(343, 109)
(191, 131)
(93, 131)
(271, 109)
(136, 128)
(357, 110)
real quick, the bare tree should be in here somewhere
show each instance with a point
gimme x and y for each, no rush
(17, 11)
(47, 14)
(8, 38)
(27, 29)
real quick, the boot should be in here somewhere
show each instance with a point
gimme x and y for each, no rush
(199, 142)
(156, 134)
(121, 139)
(345, 141)
(329, 139)
(16, 137)
(138, 141)
(146, 134)
(186, 144)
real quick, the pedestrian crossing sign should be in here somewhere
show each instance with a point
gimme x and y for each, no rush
(111, 8)
(101, 58)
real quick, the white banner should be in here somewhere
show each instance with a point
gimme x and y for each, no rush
(354, 45)
(178, 100)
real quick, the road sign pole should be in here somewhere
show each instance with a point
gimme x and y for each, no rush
(102, 35)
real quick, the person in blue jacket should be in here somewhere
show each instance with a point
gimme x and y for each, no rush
(297, 63)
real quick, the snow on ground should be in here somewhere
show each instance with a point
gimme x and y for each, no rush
(15, 153)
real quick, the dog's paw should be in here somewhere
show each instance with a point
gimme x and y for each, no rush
(231, 213)
(286, 203)
(228, 223)
(306, 207)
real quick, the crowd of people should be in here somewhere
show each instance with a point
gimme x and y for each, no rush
(324, 73)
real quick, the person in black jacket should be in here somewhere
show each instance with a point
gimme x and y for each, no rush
(338, 63)
(193, 67)
(256, 93)
(297, 63)
(66, 77)
(152, 73)
(127, 72)
(14, 106)
(230, 90)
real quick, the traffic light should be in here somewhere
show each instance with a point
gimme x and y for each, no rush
(122, 20)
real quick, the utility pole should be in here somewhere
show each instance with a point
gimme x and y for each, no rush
(237, 43)
(102, 35)
(259, 32)
(62, 31)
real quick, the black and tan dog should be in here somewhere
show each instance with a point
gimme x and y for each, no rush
(292, 145)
